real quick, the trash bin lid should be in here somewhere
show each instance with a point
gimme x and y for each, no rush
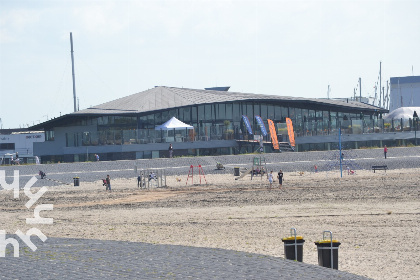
(293, 238)
(327, 241)
(75, 177)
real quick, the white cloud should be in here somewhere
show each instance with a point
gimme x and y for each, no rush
(13, 23)
(102, 18)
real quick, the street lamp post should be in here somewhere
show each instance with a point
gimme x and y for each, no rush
(416, 120)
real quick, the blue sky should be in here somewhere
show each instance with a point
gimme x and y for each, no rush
(288, 48)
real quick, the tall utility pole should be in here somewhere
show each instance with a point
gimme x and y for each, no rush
(380, 82)
(328, 92)
(387, 95)
(72, 70)
(360, 88)
(383, 97)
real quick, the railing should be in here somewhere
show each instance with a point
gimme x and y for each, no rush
(356, 127)
(218, 132)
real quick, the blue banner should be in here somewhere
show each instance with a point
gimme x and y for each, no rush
(247, 124)
(261, 124)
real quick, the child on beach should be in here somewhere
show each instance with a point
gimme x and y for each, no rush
(270, 178)
(108, 183)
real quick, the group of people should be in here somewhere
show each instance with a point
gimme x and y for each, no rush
(140, 183)
(279, 177)
(152, 176)
(15, 160)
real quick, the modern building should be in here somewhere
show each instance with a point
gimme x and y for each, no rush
(405, 92)
(125, 128)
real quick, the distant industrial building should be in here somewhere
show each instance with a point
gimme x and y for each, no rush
(20, 141)
(405, 92)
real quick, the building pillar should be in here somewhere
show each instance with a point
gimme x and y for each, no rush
(380, 143)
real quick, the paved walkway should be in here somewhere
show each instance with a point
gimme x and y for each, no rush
(61, 258)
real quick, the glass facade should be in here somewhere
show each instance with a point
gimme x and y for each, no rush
(217, 121)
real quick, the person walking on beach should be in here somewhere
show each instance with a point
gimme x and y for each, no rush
(139, 182)
(42, 174)
(280, 177)
(385, 151)
(108, 183)
(171, 150)
(270, 178)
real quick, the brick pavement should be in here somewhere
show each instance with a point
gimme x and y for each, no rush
(62, 258)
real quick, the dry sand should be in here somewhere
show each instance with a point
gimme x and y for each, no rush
(375, 216)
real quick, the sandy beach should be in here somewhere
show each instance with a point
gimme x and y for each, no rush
(375, 216)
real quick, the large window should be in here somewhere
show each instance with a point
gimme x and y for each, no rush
(270, 112)
(229, 111)
(257, 111)
(165, 116)
(186, 114)
(7, 146)
(49, 135)
(236, 112)
(158, 119)
(208, 113)
(72, 140)
(201, 115)
(264, 111)
(284, 113)
(277, 113)
(194, 114)
(221, 112)
(86, 138)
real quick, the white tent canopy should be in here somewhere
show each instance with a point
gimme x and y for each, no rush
(404, 113)
(173, 124)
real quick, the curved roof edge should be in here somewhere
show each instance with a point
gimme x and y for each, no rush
(161, 98)
(166, 98)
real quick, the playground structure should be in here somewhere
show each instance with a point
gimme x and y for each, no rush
(342, 159)
(191, 174)
(259, 168)
(151, 178)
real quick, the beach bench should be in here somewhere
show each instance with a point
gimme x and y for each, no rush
(379, 167)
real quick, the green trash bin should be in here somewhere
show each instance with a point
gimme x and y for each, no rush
(328, 252)
(236, 171)
(76, 181)
(293, 248)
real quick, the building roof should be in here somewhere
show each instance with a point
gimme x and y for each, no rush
(405, 80)
(161, 98)
(165, 98)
